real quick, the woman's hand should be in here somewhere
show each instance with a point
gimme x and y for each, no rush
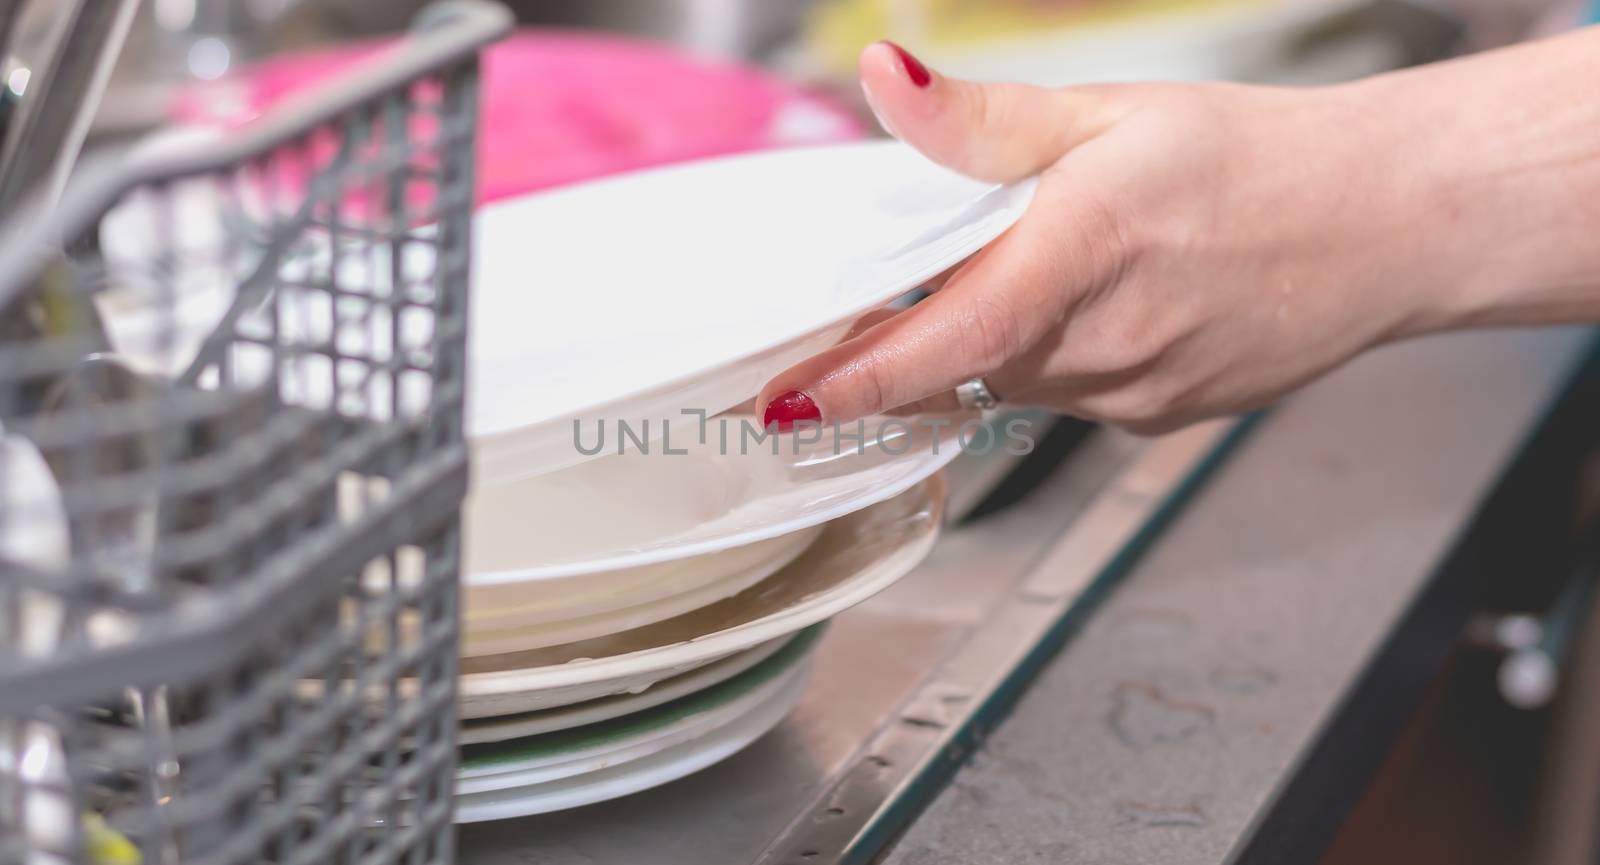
(1192, 250)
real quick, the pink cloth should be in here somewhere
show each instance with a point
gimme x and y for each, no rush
(560, 108)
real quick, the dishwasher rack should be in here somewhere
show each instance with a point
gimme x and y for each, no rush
(231, 466)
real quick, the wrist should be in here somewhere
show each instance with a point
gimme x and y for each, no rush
(1495, 160)
(1408, 249)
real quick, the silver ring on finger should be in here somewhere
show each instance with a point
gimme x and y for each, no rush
(976, 394)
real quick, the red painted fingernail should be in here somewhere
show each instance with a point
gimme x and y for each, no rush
(915, 71)
(785, 410)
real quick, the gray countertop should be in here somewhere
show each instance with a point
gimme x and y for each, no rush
(1169, 726)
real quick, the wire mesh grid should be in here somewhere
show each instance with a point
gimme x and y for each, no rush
(231, 464)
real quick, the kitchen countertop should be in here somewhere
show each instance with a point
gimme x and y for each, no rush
(1223, 703)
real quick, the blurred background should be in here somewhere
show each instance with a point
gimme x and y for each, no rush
(815, 41)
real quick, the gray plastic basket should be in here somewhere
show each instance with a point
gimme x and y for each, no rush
(232, 462)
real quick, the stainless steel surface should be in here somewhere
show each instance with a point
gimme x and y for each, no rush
(854, 814)
(1176, 723)
(830, 776)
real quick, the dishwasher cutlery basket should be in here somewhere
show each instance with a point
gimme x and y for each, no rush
(232, 463)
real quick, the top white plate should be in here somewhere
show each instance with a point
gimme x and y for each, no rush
(557, 533)
(640, 296)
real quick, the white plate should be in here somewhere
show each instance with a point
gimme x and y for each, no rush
(687, 287)
(503, 535)
(487, 730)
(540, 759)
(34, 532)
(495, 629)
(33, 520)
(636, 775)
(634, 510)
(856, 557)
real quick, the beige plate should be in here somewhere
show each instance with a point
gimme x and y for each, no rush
(486, 730)
(856, 557)
(489, 629)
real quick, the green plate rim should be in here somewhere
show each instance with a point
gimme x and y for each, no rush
(487, 754)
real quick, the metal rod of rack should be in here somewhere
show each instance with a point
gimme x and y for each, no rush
(40, 141)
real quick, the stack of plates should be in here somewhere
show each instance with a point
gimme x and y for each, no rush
(662, 667)
(609, 748)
